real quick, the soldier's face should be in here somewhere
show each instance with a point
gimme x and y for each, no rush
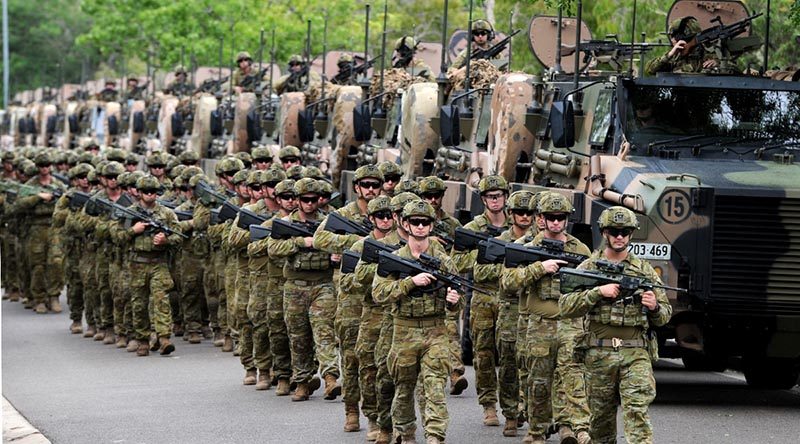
(523, 218)
(494, 201)
(434, 198)
(383, 221)
(480, 36)
(389, 183)
(44, 170)
(309, 203)
(288, 202)
(256, 191)
(244, 63)
(555, 222)
(131, 167)
(295, 67)
(368, 188)
(82, 182)
(132, 84)
(243, 191)
(289, 162)
(148, 197)
(540, 222)
(157, 171)
(8, 167)
(418, 227)
(617, 239)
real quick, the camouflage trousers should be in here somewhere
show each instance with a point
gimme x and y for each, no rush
(243, 324)
(123, 309)
(150, 284)
(176, 272)
(258, 316)
(451, 322)
(45, 267)
(117, 296)
(227, 300)
(522, 361)
(556, 381)
(72, 275)
(276, 324)
(55, 265)
(368, 333)
(347, 320)
(23, 265)
(508, 374)
(624, 376)
(483, 319)
(9, 269)
(192, 292)
(91, 298)
(383, 379)
(419, 352)
(106, 299)
(310, 309)
(211, 290)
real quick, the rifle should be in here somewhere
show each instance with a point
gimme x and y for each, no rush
(254, 78)
(392, 264)
(372, 247)
(77, 200)
(214, 216)
(339, 224)
(441, 230)
(492, 52)
(228, 211)
(211, 85)
(719, 32)
(468, 240)
(349, 261)
(247, 218)
(258, 232)
(609, 51)
(183, 215)
(24, 190)
(631, 287)
(282, 229)
(520, 255)
(167, 203)
(129, 216)
(61, 178)
(342, 77)
(491, 251)
(207, 195)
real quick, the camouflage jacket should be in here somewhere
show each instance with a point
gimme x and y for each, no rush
(418, 68)
(37, 209)
(287, 83)
(298, 256)
(690, 63)
(336, 243)
(238, 239)
(465, 260)
(489, 274)
(143, 242)
(360, 281)
(590, 303)
(461, 59)
(260, 249)
(239, 76)
(178, 89)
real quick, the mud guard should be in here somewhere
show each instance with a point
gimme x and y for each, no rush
(244, 103)
(342, 130)
(419, 106)
(510, 141)
(291, 104)
(203, 123)
(168, 106)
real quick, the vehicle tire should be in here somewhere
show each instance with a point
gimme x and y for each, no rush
(771, 373)
(696, 361)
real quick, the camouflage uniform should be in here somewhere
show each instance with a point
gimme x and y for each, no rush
(483, 25)
(295, 83)
(192, 264)
(692, 62)
(71, 247)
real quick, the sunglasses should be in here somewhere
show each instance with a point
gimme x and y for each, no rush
(522, 212)
(184, 188)
(480, 33)
(295, 64)
(370, 184)
(287, 196)
(384, 215)
(148, 191)
(158, 166)
(290, 159)
(255, 187)
(81, 177)
(309, 199)
(189, 163)
(263, 160)
(393, 178)
(271, 184)
(110, 176)
(616, 232)
(495, 196)
(435, 195)
(421, 222)
(42, 165)
(555, 217)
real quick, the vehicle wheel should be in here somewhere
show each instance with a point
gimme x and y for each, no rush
(771, 373)
(696, 361)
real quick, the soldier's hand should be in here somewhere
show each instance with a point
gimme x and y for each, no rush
(452, 296)
(336, 257)
(649, 300)
(47, 197)
(139, 227)
(309, 242)
(610, 291)
(160, 239)
(710, 63)
(551, 266)
(440, 240)
(679, 46)
(423, 279)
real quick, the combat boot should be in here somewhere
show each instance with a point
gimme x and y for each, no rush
(76, 327)
(227, 344)
(153, 342)
(6, 295)
(122, 341)
(195, 338)
(41, 308)
(372, 430)
(133, 345)
(165, 347)
(100, 335)
(27, 303)
(332, 387)
(511, 428)
(219, 339)
(490, 416)
(264, 382)
(90, 331)
(206, 332)
(177, 330)
(314, 385)
(567, 435)
(143, 350)
(249, 377)
(237, 348)
(432, 440)
(384, 436)
(14, 296)
(283, 387)
(407, 439)
(109, 339)
(351, 423)
(530, 439)
(301, 393)
(55, 305)
(584, 438)
(458, 383)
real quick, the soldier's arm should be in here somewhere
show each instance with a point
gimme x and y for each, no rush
(464, 260)
(487, 272)
(284, 247)
(238, 238)
(460, 60)
(169, 218)
(513, 279)
(27, 202)
(661, 64)
(201, 217)
(279, 84)
(365, 273)
(450, 267)
(60, 212)
(663, 312)
(333, 243)
(387, 290)
(349, 284)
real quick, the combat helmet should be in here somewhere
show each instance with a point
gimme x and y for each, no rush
(483, 25)
(134, 178)
(243, 55)
(177, 171)
(554, 203)
(189, 172)
(157, 159)
(366, 171)
(493, 183)
(307, 185)
(254, 178)
(189, 158)
(285, 186)
(230, 166)
(326, 189)
(536, 198)
(131, 159)
(197, 178)
(419, 208)
(405, 42)
(179, 70)
(42, 159)
(617, 217)
(296, 172)
(380, 203)
(80, 169)
(407, 186)
(113, 169)
(519, 200)
(245, 157)
(29, 169)
(115, 154)
(289, 151)
(261, 153)
(240, 177)
(345, 58)
(296, 59)
(389, 170)
(148, 183)
(313, 172)
(431, 184)
(272, 177)
(684, 28)
(400, 200)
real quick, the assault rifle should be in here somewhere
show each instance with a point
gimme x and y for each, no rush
(168, 203)
(258, 232)
(349, 261)
(440, 230)
(492, 52)
(129, 216)
(215, 216)
(343, 76)
(282, 229)
(254, 79)
(719, 32)
(183, 215)
(339, 224)
(24, 190)
(631, 287)
(207, 195)
(468, 240)
(228, 211)
(609, 51)
(77, 200)
(211, 85)
(61, 178)
(373, 247)
(520, 255)
(98, 206)
(392, 264)
(491, 251)
(247, 218)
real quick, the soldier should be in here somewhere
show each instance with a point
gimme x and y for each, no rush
(246, 159)
(299, 79)
(180, 86)
(262, 158)
(432, 190)
(156, 165)
(189, 158)
(420, 342)
(309, 298)
(481, 36)
(109, 92)
(346, 64)
(391, 177)
(484, 307)
(131, 162)
(9, 247)
(681, 58)
(44, 256)
(123, 308)
(289, 156)
(405, 47)
(407, 186)
(296, 172)
(551, 340)
(617, 349)
(232, 262)
(367, 182)
(132, 90)
(150, 277)
(244, 69)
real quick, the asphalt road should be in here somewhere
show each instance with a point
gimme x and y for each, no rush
(76, 390)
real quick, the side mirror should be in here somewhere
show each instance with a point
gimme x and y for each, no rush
(562, 124)
(449, 125)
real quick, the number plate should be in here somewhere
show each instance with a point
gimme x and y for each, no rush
(660, 252)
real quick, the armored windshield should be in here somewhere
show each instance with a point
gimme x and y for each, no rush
(708, 119)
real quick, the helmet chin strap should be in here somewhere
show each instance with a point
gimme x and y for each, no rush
(615, 249)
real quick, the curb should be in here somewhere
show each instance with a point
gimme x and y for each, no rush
(17, 429)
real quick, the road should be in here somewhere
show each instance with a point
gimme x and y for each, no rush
(76, 390)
